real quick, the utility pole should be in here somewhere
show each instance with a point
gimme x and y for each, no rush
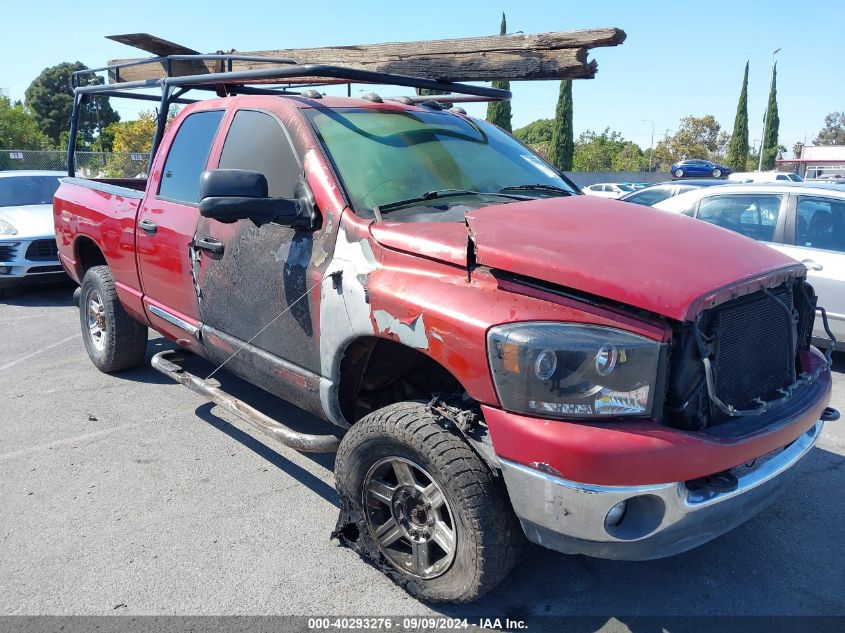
(766, 115)
(650, 151)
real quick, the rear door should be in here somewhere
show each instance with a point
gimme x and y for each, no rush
(816, 237)
(166, 225)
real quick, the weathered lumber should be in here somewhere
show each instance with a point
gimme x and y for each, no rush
(561, 55)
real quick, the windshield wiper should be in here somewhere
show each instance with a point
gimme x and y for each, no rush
(447, 193)
(538, 187)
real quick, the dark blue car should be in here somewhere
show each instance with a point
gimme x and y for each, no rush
(697, 167)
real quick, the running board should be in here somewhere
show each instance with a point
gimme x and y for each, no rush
(165, 362)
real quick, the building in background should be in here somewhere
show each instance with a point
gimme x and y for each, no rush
(826, 162)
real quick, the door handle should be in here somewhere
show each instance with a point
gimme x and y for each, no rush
(812, 264)
(209, 244)
(148, 226)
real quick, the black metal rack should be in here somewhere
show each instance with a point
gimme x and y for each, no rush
(229, 82)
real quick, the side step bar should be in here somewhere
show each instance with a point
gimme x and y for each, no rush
(164, 362)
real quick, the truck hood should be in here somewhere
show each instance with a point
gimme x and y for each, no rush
(643, 257)
(31, 221)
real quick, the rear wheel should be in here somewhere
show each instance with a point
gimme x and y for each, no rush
(114, 340)
(679, 173)
(421, 505)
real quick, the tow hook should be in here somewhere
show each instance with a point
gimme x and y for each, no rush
(830, 414)
(720, 482)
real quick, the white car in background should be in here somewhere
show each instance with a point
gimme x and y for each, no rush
(27, 237)
(607, 189)
(806, 221)
(764, 176)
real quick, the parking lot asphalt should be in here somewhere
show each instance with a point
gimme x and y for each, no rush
(130, 494)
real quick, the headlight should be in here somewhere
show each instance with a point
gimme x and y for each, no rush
(573, 371)
(6, 228)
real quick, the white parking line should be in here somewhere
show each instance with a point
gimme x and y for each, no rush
(37, 352)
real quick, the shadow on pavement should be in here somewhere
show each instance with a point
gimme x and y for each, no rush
(256, 397)
(52, 294)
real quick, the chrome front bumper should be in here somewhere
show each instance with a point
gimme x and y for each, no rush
(660, 520)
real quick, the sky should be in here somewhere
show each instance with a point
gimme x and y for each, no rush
(680, 58)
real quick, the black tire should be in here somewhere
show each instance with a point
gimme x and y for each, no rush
(679, 173)
(122, 341)
(488, 539)
(716, 173)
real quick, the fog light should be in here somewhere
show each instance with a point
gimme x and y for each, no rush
(616, 514)
(5, 270)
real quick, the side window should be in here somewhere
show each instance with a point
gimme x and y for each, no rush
(652, 196)
(753, 215)
(188, 156)
(256, 141)
(821, 223)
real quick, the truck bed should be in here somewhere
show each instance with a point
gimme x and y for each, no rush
(95, 221)
(125, 187)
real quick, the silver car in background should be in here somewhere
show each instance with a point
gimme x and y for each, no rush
(803, 220)
(27, 237)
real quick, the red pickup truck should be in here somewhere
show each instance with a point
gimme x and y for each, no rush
(504, 357)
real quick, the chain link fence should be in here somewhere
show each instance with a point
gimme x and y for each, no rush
(88, 164)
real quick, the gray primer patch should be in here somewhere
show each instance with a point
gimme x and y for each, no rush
(412, 335)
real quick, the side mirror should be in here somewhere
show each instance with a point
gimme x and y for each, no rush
(229, 195)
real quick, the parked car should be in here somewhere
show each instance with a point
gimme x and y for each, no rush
(803, 220)
(607, 189)
(653, 194)
(27, 239)
(698, 167)
(764, 176)
(503, 356)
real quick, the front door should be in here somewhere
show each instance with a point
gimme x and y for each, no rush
(255, 283)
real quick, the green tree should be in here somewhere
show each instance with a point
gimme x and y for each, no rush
(770, 132)
(833, 132)
(535, 133)
(499, 112)
(608, 151)
(697, 137)
(50, 97)
(562, 145)
(738, 149)
(18, 129)
(132, 137)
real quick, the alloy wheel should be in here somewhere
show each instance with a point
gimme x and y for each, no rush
(96, 320)
(410, 518)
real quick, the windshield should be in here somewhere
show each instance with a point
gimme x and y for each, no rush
(386, 156)
(19, 191)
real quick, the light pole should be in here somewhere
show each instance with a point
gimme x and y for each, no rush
(650, 151)
(766, 115)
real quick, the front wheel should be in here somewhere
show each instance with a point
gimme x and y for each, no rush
(679, 173)
(717, 173)
(113, 339)
(419, 504)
